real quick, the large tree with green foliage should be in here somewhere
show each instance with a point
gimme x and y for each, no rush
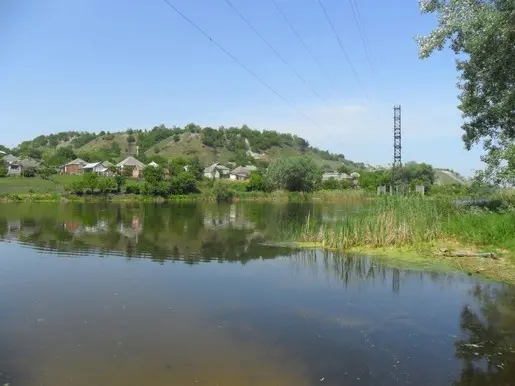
(296, 174)
(482, 34)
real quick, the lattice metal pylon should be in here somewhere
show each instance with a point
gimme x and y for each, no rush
(397, 145)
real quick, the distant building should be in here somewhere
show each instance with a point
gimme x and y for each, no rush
(216, 171)
(16, 168)
(7, 159)
(336, 176)
(99, 168)
(130, 163)
(242, 173)
(137, 171)
(75, 166)
(154, 164)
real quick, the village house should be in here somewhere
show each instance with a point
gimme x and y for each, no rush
(216, 171)
(7, 159)
(16, 168)
(242, 173)
(75, 166)
(336, 176)
(99, 168)
(130, 163)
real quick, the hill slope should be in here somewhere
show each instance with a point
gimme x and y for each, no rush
(448, 177)
(226, 145)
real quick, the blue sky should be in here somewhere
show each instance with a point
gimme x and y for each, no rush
(110, 65)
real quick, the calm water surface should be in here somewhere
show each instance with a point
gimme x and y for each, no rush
(95, 294)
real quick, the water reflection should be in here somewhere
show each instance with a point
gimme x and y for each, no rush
(277, 316)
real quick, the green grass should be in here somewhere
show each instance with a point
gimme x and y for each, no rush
(415, 230)
(401, 222)
(65, 180)
(22, 185)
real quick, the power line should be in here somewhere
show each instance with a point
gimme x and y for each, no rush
(343, 50)
(362, 34)
(276, 53)
(241, 64)
(294, 30)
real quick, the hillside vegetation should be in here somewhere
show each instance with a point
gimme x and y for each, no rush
(236, 145)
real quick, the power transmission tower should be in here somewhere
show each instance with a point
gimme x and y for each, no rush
(397, 146)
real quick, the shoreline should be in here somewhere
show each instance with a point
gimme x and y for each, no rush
(430, 257)
(279, 196)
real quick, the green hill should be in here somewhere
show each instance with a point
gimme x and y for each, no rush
(237, 145)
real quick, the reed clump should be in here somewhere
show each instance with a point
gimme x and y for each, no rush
(406, 222)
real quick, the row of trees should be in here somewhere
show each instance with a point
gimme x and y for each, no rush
(302, 174)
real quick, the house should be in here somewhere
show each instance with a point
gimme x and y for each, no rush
(130, 163)
(137, 172)
(153, 164)
(16, 168)
(75, 166)
(99, 168)
(336, 176)
(216, 171)
(242, 173)
(9, 158)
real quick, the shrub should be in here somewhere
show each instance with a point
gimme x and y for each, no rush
(257, 183)
(183, 183)
(29, 172)
(132, 189)
(47, 172)
(3, 170)
(222, 192)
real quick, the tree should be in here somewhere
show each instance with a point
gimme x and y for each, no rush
(299, 174)
(257, 182)
(343, 169)
(153, 175)
(120, 182)
(482, 33)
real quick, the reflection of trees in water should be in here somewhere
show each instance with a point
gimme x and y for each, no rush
(161, 232)
(487, 349)
(348, 269)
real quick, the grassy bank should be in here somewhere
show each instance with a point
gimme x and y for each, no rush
(418, 229)
(278, 196)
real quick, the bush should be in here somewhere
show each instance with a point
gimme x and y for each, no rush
(47, 172)
(132, 189)
(160, 189)
(153, 175)
(3, 170)
(330, 184)
(184, 183)
(222, 192)
(257, 183)
(29, 172)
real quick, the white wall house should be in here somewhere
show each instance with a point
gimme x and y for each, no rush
(96, 167)
(242, 173)
(216, 171)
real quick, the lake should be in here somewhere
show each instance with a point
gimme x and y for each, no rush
(192, 294)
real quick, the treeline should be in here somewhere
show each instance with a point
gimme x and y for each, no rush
(235, 139)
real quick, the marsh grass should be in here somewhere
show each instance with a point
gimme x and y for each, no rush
(405, 222)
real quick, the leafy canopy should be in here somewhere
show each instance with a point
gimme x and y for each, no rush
(482, 34)
(295, 174)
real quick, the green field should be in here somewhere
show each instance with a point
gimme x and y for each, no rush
(22, 185)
